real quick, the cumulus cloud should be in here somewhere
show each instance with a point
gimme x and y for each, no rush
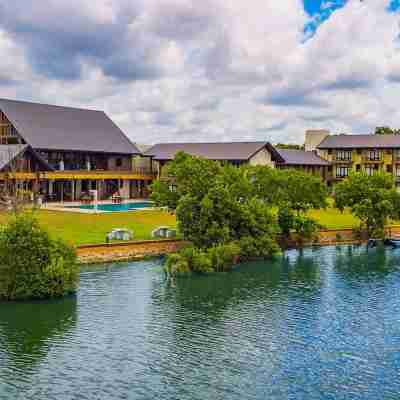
(207, 70)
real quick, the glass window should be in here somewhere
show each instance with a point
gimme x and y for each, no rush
(373, 155)
(342, 171)
(343, 155)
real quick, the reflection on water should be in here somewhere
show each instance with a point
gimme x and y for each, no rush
(361, 263)
(318, 324)
(28, 329)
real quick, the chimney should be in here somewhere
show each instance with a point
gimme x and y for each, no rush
(314, 137)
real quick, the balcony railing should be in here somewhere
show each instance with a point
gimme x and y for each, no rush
(137, 173)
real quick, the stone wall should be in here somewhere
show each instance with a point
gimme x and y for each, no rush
(127, 251)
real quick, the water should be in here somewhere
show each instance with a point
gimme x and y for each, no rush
(323, 324)
(117, 207)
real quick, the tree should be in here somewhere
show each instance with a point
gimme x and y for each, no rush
(32, 264)
(386, 130)
(186, 175)
(216, 207)
(373, 199)
(294, 193)
(290, 146)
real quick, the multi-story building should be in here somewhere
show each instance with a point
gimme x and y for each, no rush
(368, 153)
(64, 152)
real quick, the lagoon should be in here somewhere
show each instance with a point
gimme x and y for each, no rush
(317, 324)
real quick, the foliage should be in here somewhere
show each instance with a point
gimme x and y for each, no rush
(218, 258)
(373, 199)
(290, 188)
(290, 146)
(224, 256)
(32, 264)
(258, 247)
(305, 227)
(163, 196)
(285, 221)
(386, 130)
(219, 204)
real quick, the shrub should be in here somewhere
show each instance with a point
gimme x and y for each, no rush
(33, 265)
(252, 248)
(218, 258)
(224, 256)
(285, 221)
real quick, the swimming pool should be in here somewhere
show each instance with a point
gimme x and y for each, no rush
(118, 207)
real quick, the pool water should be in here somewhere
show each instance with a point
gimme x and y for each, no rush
(322, 324)
(118, 207)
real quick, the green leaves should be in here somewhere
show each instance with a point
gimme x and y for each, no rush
(32, 265)
(221, 208)
(373, 199)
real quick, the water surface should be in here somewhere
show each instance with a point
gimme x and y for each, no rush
(321, 324)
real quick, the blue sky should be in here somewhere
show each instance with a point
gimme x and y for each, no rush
(181, 70)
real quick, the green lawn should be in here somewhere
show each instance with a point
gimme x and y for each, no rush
(332, 218)
(91, 228)
(81, 229)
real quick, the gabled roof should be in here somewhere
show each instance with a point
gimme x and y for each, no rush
(360, 141)
(64, 128)
(301, 157)
(10, 152)
(239, 151)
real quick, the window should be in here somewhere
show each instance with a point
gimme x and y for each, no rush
(370, 169)
(118, 162)
(373, 155)
(389, 168)
(342, 171)
(330, 168)
(398, 171)
(359, 151)
(343, 155)
(329, 151)
(358, 167)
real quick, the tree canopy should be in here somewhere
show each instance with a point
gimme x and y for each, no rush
(373, 199)
(32, 264)
(220, 204)
(386, 130)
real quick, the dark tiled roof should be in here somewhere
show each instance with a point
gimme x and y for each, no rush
(9, 152)
(360, 141)
(241, 151)
(64, 128)
(301, 157)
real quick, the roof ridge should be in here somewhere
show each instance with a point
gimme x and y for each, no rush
(50, 105)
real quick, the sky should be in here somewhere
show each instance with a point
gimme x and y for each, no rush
(209, 70)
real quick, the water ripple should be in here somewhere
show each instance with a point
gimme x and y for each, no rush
(317, 324)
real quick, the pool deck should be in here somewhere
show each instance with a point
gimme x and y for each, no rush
(73, 206)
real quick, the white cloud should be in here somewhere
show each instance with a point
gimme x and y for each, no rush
(206, 70)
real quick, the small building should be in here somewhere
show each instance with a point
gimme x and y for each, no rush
(236, 153)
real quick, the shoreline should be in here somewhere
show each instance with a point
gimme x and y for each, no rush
(139, 250)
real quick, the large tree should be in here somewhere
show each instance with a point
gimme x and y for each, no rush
(373, 199)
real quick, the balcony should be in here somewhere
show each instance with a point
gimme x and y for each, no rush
(343, 157)
(372, 160)
(137, 173)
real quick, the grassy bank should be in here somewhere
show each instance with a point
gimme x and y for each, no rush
(81, 229)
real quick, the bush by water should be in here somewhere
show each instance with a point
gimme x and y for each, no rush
(32, 264)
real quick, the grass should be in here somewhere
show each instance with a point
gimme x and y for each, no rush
(79, 229)
(332, 218)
